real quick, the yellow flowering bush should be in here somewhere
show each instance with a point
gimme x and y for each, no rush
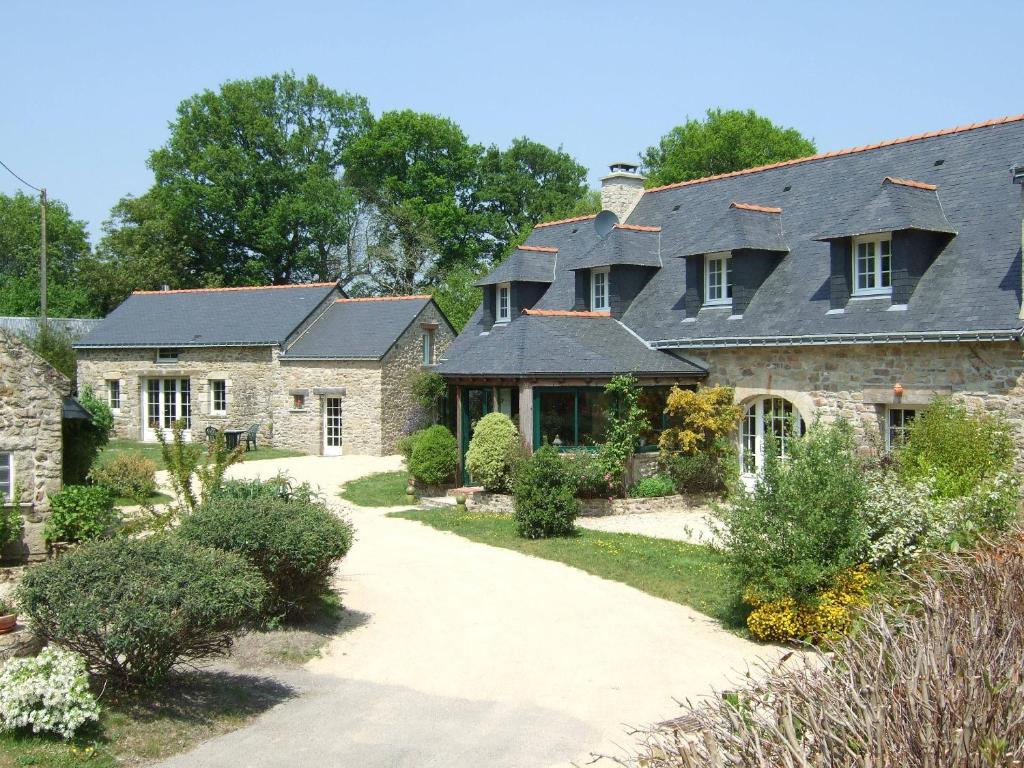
(828, 618)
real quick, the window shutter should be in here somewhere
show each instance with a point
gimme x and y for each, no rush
(841, 279)
(694, 296)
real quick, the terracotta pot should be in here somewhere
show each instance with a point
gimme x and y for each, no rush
(8, 623)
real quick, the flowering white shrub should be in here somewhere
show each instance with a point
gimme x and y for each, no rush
(46, 694)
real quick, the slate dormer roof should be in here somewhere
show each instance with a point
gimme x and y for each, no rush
(209, 317)
(624, 245)
(971, 290)
(898, 204)
(741, 225)
(526, 264)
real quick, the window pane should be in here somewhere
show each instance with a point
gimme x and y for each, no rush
(714, 279)
(885, 265)
(593, 415)
(5, 475)
(186, 403)
(153, 402)
(748, 439)
(728, 277)
(556, 417)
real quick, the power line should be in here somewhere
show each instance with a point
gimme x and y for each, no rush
(19, 177)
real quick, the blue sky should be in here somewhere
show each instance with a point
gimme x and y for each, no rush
(88, 88)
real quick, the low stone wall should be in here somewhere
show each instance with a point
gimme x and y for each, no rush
(503, 504)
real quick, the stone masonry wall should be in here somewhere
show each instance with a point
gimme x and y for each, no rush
(302, 430)
(31, 400)
(400, 364)
(248, 371)
(857, 381)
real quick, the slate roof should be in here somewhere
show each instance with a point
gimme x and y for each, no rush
(898, 204)
(72, 410)
(971, 290)
(263, 316)
(736, 227)
(626, 246)
(526, 266)
(560, 345)
(356, 329)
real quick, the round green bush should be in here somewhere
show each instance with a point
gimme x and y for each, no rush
(80, 513)
(653, 486)
(493, 451)
(435, 456)
(293, 543)
(545, 500)
(135, 608)
(129, 475)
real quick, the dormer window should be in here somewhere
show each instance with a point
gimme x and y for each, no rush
(599, 289)
(718, 279)
(872, 265)
(504, 308)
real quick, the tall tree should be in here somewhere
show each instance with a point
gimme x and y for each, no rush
(251, 178)
(726, 140)
(523, 185)
(67, 245)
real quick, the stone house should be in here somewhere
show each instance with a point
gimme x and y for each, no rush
(863, 283)
(312, 368)
(35, 403)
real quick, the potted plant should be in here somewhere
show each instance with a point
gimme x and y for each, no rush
(8, 618)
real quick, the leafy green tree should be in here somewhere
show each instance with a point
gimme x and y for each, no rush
(525, 184)
(726, 140)
(251, 177)
(456, 295)
(67, 245)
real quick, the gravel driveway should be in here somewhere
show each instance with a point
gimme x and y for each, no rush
(464, 655)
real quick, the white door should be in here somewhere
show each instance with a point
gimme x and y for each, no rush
(332, 426)
(165, 401)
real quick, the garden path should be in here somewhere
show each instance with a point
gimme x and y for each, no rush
(464, 655)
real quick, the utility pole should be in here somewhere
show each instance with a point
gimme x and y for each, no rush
(42, 255)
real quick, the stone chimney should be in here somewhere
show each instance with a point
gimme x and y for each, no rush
(621, 189)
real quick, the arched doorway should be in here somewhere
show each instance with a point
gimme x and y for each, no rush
(764, 418)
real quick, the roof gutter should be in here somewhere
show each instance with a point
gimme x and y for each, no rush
(178, 345)
(919, 337)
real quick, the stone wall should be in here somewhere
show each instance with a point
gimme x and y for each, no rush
(503, 504)
(31, 398)
(248, 371)
(857, 381)
(302, 430)
(401, 414)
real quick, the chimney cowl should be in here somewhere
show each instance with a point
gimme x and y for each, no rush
(624, 166)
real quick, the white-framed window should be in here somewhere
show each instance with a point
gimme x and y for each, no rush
(428, 347)
(167, 355)
(298, 401)
(897, 420)
(218, 397)
(6, 477)
(504, 302)
(114, 395)
(764, 419)
(599, 289)
(717, 278)
(872, 265)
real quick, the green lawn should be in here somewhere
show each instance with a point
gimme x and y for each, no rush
(152, 451)
(383, 489)
(688, 574)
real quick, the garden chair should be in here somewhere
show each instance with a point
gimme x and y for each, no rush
(250, 437)
(211, 433)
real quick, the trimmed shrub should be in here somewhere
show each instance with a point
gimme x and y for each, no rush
(404, 445)
(80, 513)
(493, 452)
(294, 544)
(545, 499)
(280, 486)
(713, 469)
(435, 456)
(959, 449)
(129, 475)
(136, 608)
(802, 525)
(653, 486)
(46, 694)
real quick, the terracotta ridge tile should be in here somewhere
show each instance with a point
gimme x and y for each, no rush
(564, 221)
(538, 248)
(564, 313)
(386, 298)
(638, 227)
(753, 207)
(910, 183)
(234, 288)
(841, 152)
